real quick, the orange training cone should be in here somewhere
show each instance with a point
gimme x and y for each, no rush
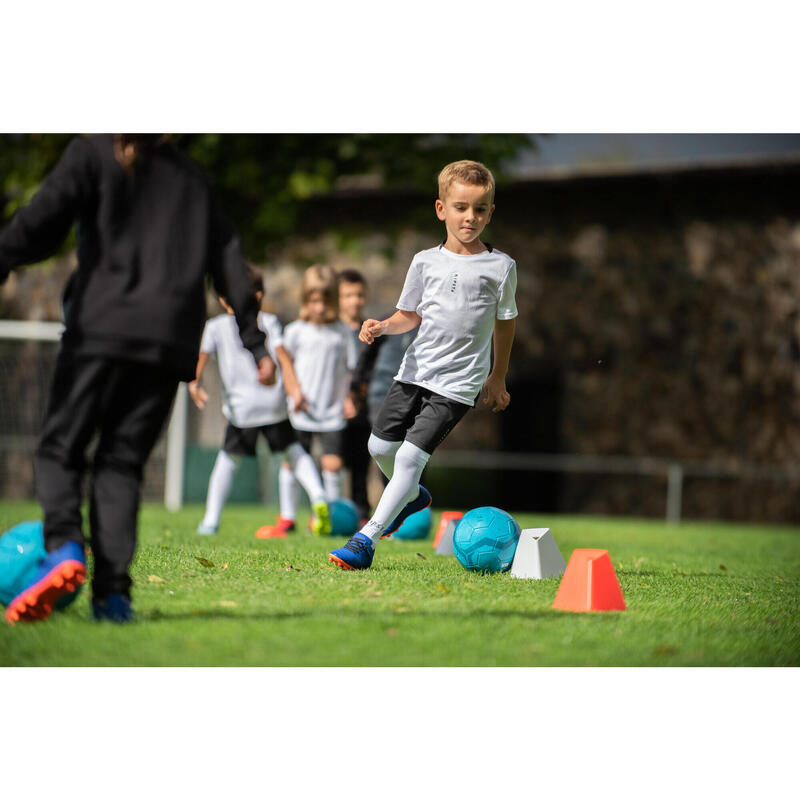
(446, 517)
(589, 583)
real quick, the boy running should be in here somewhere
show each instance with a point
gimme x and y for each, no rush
(461, 294)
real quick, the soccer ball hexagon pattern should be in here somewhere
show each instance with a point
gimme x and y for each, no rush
(485, 539)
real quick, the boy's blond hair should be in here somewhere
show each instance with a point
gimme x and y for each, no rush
(470, 172)
(320, 278)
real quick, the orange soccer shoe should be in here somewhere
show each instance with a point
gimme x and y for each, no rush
(55, 584)
(279, 530)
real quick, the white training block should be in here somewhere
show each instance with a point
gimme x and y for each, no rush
(537, 555)
(445, 546)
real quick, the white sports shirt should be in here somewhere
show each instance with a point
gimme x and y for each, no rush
(458, 298)
(324, 356)
(246, 403)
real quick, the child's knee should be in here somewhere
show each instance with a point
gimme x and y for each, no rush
(331, 463)
(380, 447)
(231, 458)
(411, 456)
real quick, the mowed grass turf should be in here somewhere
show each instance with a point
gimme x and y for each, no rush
(698, 594)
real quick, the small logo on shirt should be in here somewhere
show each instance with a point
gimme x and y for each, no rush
(453, 282)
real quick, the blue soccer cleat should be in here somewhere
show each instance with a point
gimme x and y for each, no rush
(55, 584)
(357, 553)
(423, 500)
(113, 608)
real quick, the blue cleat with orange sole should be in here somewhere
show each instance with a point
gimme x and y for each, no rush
(357, 553)
(55, 584)
(423, 500)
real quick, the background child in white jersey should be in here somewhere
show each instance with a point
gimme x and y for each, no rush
(253, 410)
(461, 294)
(323, 352)
(352, 297)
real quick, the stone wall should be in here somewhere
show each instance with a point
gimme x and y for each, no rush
(658, 317)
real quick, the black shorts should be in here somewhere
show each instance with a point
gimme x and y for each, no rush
(331, 442)
(242, 441)
(417, 415)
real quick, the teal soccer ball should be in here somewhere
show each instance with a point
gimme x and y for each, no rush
(416, 526)
(485, 540)
(344, 517)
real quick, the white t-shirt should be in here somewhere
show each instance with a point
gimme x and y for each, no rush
(459, 298)
(246, 403)
(324, 356)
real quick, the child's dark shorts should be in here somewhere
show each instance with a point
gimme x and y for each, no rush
(418, 415)
(242, 441)
(330, 442)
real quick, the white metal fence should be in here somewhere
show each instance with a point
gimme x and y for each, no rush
(23, 390)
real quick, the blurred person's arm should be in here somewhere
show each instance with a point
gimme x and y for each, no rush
(196, 391)
(229, 274)
(37, 230)
(290, 382)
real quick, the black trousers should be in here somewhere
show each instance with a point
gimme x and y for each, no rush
(126, 404)
(356, 457)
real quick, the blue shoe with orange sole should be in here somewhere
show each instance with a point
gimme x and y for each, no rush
(423, 500)
(357, 553)
(55, 584)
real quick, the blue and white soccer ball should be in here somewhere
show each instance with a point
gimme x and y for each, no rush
(485, 539)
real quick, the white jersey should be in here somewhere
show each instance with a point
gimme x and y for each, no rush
(246, 403)
(324, 356)
(458, 298)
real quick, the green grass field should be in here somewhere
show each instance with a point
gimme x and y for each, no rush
(698, 594)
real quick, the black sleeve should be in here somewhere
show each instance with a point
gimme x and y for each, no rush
(39, 229)
(229, 273)
(366, 364)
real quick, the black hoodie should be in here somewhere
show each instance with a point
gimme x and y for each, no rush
(146, 241)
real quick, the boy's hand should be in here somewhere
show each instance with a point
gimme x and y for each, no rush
(350, 409)
(198, 394)
(496, 395)
(371, 329)
(266, 371)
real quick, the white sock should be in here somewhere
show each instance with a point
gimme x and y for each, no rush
(333, 485)
(383, 452)
(287, 492)
(219, 487)
(305, 471)
(402, 489)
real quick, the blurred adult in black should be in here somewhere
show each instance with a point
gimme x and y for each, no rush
(149, 232)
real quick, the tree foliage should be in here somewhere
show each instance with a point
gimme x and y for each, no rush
(263, 179)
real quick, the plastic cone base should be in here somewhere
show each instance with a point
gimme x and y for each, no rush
(589, 583)
(537, 555)
(447, 516)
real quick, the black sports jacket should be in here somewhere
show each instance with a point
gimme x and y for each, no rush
(146, 241)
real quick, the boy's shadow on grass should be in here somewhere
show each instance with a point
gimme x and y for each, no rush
(339, 613)
(626, 573)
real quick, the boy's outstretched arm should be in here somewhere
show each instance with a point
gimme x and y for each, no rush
(495, 387)
(399, 322)
(196, 391)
